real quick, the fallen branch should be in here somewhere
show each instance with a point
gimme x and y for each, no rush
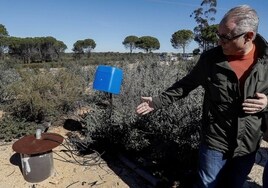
(72, 184)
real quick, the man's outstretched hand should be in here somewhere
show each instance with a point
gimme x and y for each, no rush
(146, 106)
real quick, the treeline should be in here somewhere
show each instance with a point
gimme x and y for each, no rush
(37, 49)
(40, 49)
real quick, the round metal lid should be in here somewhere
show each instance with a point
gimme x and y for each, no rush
(30, 145)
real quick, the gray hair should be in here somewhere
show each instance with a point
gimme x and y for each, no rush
(245, 18)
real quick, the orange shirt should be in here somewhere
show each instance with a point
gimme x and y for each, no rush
(242, 65)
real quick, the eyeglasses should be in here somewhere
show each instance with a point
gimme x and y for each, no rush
(226, 38)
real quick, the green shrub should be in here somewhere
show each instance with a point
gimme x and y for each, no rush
(41, 94)
(148, 78)
(168, 136)
(12, 128)
(8, 75)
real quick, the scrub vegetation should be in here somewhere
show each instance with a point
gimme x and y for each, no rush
(163, 142)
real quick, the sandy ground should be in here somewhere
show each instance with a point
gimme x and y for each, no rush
(68, 174)
(101, 173)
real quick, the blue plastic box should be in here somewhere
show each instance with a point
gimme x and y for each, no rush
(108, 79)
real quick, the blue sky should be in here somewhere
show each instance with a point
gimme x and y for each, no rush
(108, 22)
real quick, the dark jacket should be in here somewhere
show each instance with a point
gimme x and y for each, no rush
(225, 127)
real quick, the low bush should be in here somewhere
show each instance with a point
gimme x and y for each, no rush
(13, 128)
(44, 94)
(8, 75)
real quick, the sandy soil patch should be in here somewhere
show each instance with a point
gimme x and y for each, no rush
(68, 174)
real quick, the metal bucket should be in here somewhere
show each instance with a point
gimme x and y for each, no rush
(38, 167)
(36, 155)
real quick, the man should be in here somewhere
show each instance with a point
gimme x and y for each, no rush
(234, 76)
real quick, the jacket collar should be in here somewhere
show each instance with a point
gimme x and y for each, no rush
(261, 45)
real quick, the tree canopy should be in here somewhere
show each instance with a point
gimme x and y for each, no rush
(209, 37)
(204, 17)
(130, 42)
(83, 47)
(148, 43)
(181, 39)
(35, 49)
(3, 40)
(3, 31)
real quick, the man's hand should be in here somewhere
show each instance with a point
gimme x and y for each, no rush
(146, 106)
(257, 104)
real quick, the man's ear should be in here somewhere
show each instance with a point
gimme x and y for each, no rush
(249, 36)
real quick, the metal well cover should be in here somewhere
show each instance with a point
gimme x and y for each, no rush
(30, 145)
